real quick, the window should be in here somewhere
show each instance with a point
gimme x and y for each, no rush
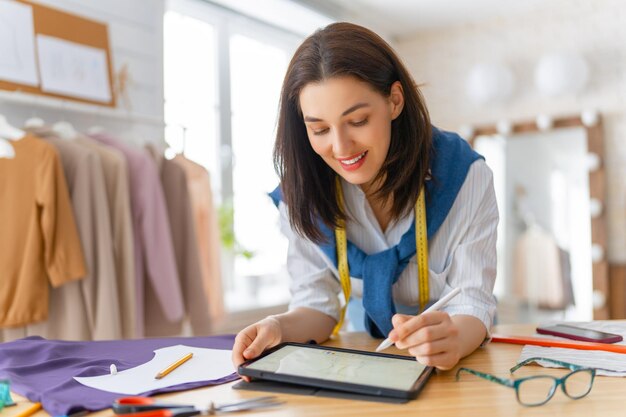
(255, 97)
(223, 74)
(191, 96)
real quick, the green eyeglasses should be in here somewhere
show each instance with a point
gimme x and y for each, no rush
(538, 389)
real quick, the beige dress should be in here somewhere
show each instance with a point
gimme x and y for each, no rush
(39, 243)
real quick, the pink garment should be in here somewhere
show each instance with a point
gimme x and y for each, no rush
(208, 234)
(174, 181)
(154, 253)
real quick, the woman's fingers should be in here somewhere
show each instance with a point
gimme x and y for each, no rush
(242, 341)
(397, 321)
(430, 348)
(258, 345)
(249, 344)
(254, 339)
(406, 325)
(432, 338)
(444, 361)
(426, 334)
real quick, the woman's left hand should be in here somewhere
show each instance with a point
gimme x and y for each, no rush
(433, 338)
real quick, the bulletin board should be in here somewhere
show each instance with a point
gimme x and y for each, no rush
(69, 29)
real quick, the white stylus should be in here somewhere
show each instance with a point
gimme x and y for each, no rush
(441, 303)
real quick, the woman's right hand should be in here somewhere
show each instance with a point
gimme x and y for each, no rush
(254, 339)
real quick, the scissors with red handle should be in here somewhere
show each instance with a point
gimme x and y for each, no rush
(148, 407)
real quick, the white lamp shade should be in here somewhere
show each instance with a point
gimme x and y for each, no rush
(504, 127)
(598, 299)
(589, 117)
(544, 122)
(490, 83)
(593, 161)
(595, 208)
(561, 73)
(597, 253)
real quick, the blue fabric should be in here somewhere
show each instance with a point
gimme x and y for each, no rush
(450, 161)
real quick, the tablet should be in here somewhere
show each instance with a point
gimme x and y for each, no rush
(339, 369)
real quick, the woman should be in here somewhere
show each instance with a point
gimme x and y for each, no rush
(364, 174)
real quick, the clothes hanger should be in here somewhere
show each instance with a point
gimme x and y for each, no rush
(65, 130)
(34, 122)
(9, 132)
(94, 130)
(6, 149)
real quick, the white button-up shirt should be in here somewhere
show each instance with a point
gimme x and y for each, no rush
(461, 254)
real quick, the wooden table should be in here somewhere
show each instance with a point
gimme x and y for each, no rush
(442, 396)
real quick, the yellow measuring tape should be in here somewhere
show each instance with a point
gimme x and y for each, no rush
(421, 247)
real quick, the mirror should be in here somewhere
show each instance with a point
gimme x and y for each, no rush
(551, 238)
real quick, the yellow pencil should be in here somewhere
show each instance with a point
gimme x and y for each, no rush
(29, 411)
(173, 366)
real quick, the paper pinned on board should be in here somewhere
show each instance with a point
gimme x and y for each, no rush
(205, 365)
(17, 43)
(606, 363)
(73, 69)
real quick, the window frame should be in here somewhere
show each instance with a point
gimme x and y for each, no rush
(228, 23)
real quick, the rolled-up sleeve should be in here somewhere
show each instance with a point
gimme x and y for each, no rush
(472, 265)
(313, 284)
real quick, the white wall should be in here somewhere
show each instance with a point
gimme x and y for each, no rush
(595, 29)
(135, 36)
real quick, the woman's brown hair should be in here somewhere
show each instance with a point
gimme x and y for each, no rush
(307, 182)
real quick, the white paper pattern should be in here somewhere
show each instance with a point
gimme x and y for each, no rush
(205, 365)
(17, 44)
(73, 69)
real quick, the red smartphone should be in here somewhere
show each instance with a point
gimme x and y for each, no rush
(578, 333)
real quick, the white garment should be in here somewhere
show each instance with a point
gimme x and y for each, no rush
(461, 254)
(537, 271)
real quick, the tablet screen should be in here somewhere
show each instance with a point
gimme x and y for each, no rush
(341, 366)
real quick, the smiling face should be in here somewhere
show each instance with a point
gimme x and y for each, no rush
(349, 125)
